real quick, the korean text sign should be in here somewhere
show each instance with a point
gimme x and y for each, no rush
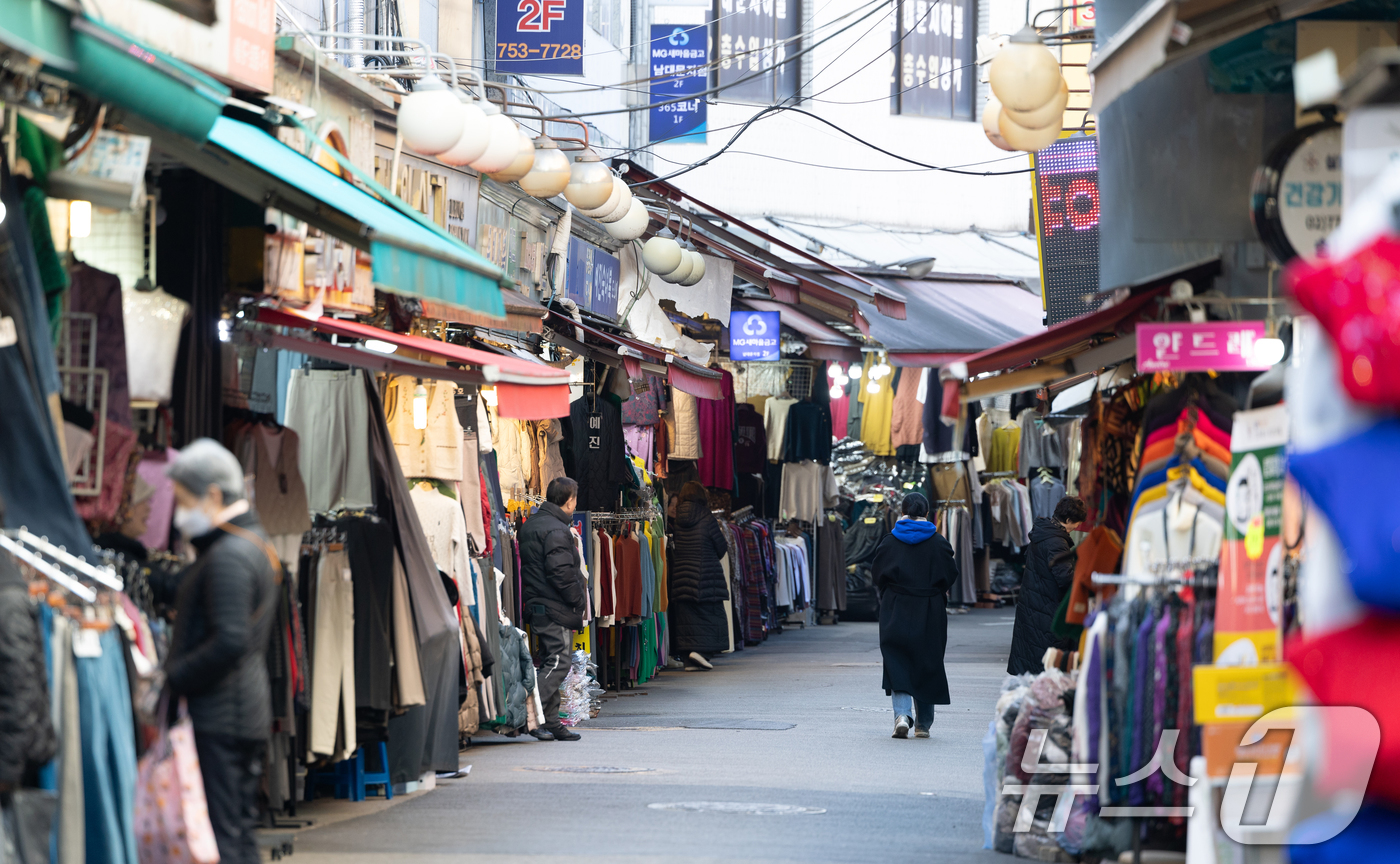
(1224, 346)
(678, 68)
(542, 37)
(753, 335)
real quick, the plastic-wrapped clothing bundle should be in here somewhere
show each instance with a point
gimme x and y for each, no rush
(575, 700)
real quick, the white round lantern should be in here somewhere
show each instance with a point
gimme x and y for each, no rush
(1024, 74)
(505, 142)
(633, 225)
(662, 254)
(590, 182)
(1050, 114)
(697, 271)
(524, 160)
(1030, 140)
(476, 135)
(431, 117)
(550, 174)
(682, 271)
(991, 114)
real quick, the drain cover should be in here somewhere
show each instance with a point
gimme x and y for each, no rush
(739, 808)
(589, 769)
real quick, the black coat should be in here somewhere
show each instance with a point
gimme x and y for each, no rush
(225, 610)
(1049, 573)
(913, 581)
(596, 458)
(695, 582)
(27, 738)
(550, 569)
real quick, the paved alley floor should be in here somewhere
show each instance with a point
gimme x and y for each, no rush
(799, 722)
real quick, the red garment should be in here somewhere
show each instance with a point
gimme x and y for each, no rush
(716, 465)
(1357, 301)
(1357, 666)
(628, 556)
(1216, 434)
(1185, 639)
(840, 416)
(605, 571)
(485, 512)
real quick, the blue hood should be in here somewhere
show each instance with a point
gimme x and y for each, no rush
(914, 531)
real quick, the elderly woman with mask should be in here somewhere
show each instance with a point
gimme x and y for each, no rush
(225, 609)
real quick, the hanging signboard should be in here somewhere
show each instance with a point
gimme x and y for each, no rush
(540, 37)
(1250, 595)
(592, 278)
(753, 335)
(1296, 200)
(678, 68)
(1220, 346)
(1066, 190)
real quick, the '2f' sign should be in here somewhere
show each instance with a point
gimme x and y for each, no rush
(536, 16)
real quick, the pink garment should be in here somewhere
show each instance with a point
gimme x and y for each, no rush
(716, 466)
(116, 457)
(151, 468)
(840, 416)
(641, 441)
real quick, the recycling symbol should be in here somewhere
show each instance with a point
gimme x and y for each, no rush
(755, 326)
(679, 37)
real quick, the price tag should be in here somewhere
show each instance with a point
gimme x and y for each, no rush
(871, 520)
(908, 485)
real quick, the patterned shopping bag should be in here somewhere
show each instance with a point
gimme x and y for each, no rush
(172, 818)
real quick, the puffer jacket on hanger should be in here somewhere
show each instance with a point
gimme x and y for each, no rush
(27, 738)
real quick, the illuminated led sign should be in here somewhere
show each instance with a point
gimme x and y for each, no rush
(1067, 225)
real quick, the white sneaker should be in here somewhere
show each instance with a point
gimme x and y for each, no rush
(901, 727)
(700, 660)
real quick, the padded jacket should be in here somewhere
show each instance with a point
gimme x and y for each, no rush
(551, 569)
(696, 547)
(225, 610)
(1047, 579)
(27, 738)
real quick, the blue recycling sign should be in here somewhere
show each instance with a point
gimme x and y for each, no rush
(753, 335)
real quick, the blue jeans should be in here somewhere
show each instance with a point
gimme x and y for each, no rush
(905, 705)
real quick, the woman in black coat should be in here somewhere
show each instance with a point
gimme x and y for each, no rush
(696, 588)
(1049, 573)
(912, 571)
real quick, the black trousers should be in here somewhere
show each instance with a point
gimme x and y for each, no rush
(556, 656)
(232, 769)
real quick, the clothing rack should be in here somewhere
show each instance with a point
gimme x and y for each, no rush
(73, 586)
(41, 545)
(994, 474)
(743, 513)
(624, 515)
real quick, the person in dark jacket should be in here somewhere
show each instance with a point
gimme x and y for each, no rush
(555, 598)
(912, 570)
(695, 586)
(1047, 579)
(225, 608)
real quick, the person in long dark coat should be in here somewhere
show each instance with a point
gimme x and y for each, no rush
(1048, 576)
(912, 570)
(696, 588)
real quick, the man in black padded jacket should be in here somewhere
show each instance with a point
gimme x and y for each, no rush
(555, 599)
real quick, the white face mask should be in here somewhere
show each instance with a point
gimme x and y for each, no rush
(192, 523)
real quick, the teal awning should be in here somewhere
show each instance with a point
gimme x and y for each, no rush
(37, 28)
(409, 258)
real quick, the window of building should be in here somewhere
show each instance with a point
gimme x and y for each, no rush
(755, 37)
(933, 60)
(605, 17)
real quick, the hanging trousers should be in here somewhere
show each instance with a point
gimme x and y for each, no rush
(232, 769)
(333, 660)
(108, 754)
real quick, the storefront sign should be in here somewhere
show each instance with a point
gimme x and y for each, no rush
(540, 37)
(593, 276)
(505, 239)
(1067, 221)
(678, 68)
(753, 335)
(1250, 595)
(755, 40)
(935, 47)
(1221, 346)
(1296, 199)
(236, 47)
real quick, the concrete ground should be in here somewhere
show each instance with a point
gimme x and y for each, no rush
(799, 721)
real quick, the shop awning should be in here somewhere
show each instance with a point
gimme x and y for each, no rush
(113, 67)
(523, 315)
(408, 258)
(823, 343)
(1166, 32)
(950, 317)
(525, 390)
(38, 28)
(1067, 339)
(685, 376)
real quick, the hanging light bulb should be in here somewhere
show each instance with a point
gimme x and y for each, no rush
(633, 225)
(697, 269)
(476, 134)
(872, 387)
(590, 182)
(420, 407)
(505, 142)
(550, 173)
(431, 117)
(662, 254)
(524, 160)
(1024, 75)
(79, 218)
(836, 391)
(1029, 140)
(833, 371)
(854, 372)
(488, 394)
(682, 271)
(1050, 114)
(991, 114)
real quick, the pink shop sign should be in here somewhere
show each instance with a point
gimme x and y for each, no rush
(1224, 346)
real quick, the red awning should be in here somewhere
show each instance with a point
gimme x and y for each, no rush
(525, 390)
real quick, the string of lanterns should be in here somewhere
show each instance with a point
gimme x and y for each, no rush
(1029, 97)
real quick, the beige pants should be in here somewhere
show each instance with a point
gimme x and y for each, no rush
(333, 666)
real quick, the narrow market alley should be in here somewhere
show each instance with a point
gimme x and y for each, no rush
(799, 722)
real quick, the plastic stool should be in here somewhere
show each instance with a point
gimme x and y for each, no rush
(350, 778)
(376, 778)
